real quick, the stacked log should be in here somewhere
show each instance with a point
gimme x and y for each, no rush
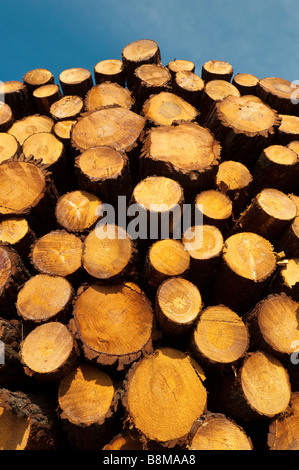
(149, 258)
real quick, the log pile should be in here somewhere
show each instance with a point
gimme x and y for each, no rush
(187, 341)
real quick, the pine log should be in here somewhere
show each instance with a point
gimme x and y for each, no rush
(288, 129)
(246, 83)
(287, 278)
(278, 93)
(278, 168)
(204, 244)
(62, 130)
(29, 125)
(109, 254)
(164, 387)
(165, 258)
(177, 306)
(6, 117)
(246, 267)
(244, 126)
(75, 81)
(220, 337)
(9, 146)
(44, 96)
(77, 211)
(180, 65)
(88, 402)
(124, 441)
(294, 145)
(258, 388)
(68, 107)
(216, 208)
(114, 324)
(134, 54)
(216, 70)
(289, 240)
(107, 94)
(104, 172)
(15, 94)
(149, 79)
(11, 370)
(284, 429)
(16, 232)
(188, 86)
(12, 275)
(49, 352)
(29, 422)
(110, 70)
(44, 298)
(273, 325)
(36, 78)
(234, 179)
(165, 109)
(58, 253)
(187, 153)
(214, 90)
(214, 431)
(47, 148)
(268, 214)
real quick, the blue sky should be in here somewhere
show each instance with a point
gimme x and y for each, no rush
(256, 36)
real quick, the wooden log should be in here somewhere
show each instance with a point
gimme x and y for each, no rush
(109, 254)
(16, 232)
(134, 54)
(247, 264)
(214, 431)
(114, 324)
(104, 172)
(49, 352)
(204, 244)
(178, 304)
(216, 70)
(62, 130)
(278, 168)
(165, 109)
(88, 402)
(214, 90)
(15, 94)
(149, 79)
(58, 253)
(44, 96)
(180, 65)
(29, 125)
(12, 275)
(216, 208)
(278, 93)
(187, 153)
(188, 86)
(284, 429)
(288, 129)
(36, 78)
(287, 278)
(289, 240)
(166, 386)
(107, 94)
(246, 83)
(124, 441)
(6, 117)
(294, 145)
(259, 388)
(77, 211)
(273, 326)
(110, 70)
(244, 126)
(76, 81)
(268, 214)
(68, 107)
(220, 337)
(9, 146)
(165, 258)
(30, 422)
(27, 190)
(11, 370)
(234, 179)
(47, 148)
(44, 298)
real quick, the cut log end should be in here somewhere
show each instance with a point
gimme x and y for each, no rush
(30, 125)
(68, 107)
(77, 211)
(111, 70)
(216, 69)
(43, 146)
(108, 94)
(9, 146)
(166, 108)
